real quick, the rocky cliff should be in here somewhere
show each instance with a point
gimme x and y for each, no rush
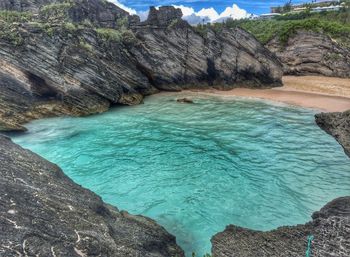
(311, 53)
(330, 228)
(79, 57)
(336, 124)
(44, 213)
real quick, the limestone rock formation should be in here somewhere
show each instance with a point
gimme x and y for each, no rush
(99, 13)
(79, 57)
(163, 17)
(330, 227)
(44, 213)
(178, 57)
(311, 53)
(336, 124)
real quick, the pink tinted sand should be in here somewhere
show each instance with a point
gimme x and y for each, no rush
(323, 93)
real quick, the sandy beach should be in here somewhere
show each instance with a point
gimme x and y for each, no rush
(324, 93)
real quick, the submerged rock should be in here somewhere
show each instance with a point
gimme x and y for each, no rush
(184, 100)
(80, 57)
(330, 228)
(44, 213)
(336, 124)
(311, 53)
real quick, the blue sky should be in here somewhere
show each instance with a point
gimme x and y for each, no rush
(253, 6)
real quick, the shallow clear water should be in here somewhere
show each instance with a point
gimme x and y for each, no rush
(197, 168)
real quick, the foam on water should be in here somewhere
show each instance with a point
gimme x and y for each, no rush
(196, 168)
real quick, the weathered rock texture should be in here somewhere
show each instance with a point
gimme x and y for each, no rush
(99, 13)
(330, 228)
(336, 124)
(44, 213)
(311, 53)
(80, 57)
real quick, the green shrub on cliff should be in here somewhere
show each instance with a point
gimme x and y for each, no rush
(334, 24)
(86, 46)
(55, 12)
(14, 16)
(109, 34)
(121, 35)
(70, 27)
(122, 23)
(55, 8)
(10, 33)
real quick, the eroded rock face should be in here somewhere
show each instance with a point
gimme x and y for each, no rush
(100, 13)
(310, 53)
(330, 228)
(23, 5)
(83, 70)
(336, 124)
(44, 213)
(163, 17)
(177, 57)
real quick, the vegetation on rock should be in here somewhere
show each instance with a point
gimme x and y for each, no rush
(11, 33)
(333, 24)
(14, 16)
(109, 34)
(55, 12)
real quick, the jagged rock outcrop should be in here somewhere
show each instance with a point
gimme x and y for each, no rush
(99, 13)
(311, 53)
(336, 124)
(163, 16)
(44, 213)
(330, 227)
(231, 57)
(78, 64)
(23, 5)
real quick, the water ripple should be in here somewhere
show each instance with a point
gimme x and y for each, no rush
(196, 168)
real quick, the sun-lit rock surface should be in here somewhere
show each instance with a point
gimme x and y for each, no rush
(311, 53)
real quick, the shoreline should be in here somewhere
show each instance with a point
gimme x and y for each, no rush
(322, 93)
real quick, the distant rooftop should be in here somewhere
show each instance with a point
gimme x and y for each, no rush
(302, 6)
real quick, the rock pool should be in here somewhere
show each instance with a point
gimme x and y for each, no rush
(196, 168)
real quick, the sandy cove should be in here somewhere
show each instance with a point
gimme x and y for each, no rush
(324, 93)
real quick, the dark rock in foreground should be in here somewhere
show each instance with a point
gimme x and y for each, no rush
(311, 53)
(330, 227)
(44, 213)
(336, 124)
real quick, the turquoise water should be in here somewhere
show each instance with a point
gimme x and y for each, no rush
(196, 168)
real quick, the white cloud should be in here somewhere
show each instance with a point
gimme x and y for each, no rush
(186, 11)
(125, 8)
(211, 15)
(234, 12)
(204, 15)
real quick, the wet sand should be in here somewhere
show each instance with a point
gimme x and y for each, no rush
(322, 93)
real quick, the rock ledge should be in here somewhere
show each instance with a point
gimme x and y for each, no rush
(44, 213)
(330, 227)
